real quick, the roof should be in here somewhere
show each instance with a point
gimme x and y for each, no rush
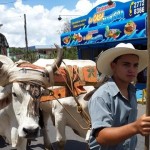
(44, 47)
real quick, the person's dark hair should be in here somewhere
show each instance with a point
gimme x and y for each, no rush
(116, 59)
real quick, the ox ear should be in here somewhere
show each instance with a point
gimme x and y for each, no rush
(1, 64)
(5, 65)
(4, 96)
(5, 102)
(4, 59)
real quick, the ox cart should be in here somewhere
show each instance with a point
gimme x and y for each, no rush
(71, 77)
(72, 81)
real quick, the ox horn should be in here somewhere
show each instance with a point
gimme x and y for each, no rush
(57, 61)
(59, 58)
(51, 68)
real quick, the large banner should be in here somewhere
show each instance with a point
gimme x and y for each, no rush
(108, 23)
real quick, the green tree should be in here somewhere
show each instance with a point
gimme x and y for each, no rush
(69, 53)
(66, 27)
(20, 53)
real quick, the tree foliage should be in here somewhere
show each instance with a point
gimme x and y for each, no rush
(21, 53)
(66, 27)
(70, 53)
(32, 56)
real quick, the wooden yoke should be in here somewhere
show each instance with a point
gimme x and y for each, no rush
(72, 80)
(60, 92)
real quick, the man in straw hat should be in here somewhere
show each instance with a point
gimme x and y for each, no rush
(113, 106)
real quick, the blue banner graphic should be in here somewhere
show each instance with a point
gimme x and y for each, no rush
(108, 23)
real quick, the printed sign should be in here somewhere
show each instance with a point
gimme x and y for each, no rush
(108, 23)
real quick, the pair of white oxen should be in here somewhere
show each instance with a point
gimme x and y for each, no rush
(19, 103)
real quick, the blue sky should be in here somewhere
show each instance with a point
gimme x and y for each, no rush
(51, 3)
(70, 4)
(43, 26)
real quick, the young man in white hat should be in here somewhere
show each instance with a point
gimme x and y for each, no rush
(113, 106)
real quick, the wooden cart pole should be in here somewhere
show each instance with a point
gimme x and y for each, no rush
(148, 71)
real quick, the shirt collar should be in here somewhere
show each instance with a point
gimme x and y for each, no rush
(114, 90)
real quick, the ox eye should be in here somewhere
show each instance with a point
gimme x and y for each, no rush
(18, 113)
(14, 94)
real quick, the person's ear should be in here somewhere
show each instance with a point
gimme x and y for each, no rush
(112, 65)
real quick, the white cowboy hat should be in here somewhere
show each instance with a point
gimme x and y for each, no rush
(104, 60)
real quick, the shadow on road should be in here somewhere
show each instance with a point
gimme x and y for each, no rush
(75, 145)
(2, 142)
(71, 144)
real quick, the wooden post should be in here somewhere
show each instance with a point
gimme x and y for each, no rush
(25, 29)
(148, 71)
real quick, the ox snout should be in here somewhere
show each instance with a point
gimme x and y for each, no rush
(31, 132)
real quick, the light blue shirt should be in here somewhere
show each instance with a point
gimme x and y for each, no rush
(109, 108)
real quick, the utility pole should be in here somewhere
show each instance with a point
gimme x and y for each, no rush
(148, 73)
(25, 29)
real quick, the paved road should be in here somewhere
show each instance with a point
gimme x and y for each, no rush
(141, 139)
(74, 142)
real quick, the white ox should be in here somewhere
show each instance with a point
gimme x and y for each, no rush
(20, 91)
(14, 121)
(59, 115)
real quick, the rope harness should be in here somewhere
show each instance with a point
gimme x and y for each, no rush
(37, 77)
(70, 85)
(30, 77)
(25, 72)
(34, 104)
(80, 110)
(35, 92)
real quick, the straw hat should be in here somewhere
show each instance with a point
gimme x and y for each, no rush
(104, 59)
